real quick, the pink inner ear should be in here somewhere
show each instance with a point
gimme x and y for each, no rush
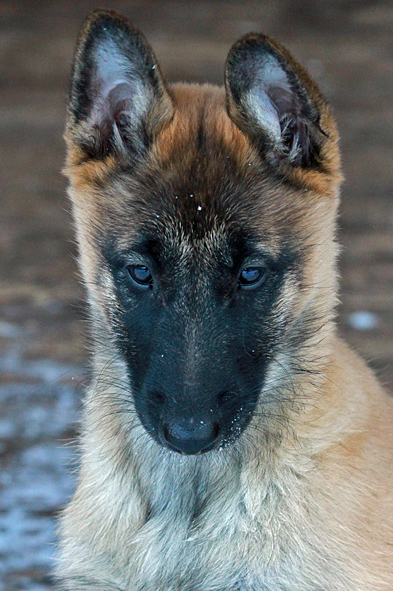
(283, 101)
(119, 100)
(113, 106)
(275, 105)
(113, 89)
(119, 97)
(277, 108)
(272, 97)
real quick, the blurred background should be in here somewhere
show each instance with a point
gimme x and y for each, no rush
(347, 46)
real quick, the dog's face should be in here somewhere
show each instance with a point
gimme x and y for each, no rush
(206, 222)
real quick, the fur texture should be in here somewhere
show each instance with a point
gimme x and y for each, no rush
(201, 185)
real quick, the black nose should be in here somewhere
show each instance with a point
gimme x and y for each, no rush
(191, 436)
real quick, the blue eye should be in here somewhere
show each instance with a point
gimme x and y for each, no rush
(252, 276)
(140, 275)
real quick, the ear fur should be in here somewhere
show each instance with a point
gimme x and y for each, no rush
(118, 98)
(273, 100)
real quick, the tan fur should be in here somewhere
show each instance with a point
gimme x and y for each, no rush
(304, 506)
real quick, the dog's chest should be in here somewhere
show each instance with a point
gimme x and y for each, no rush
(195, 544)
(198, 564)
(190, 561)
(238, 536)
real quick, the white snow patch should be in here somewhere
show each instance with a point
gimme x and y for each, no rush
(363, 320)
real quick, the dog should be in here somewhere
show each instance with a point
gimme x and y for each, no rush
(230, 440)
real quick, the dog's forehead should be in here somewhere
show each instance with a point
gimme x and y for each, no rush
(203, 187)
(216, 213)
(189, 227)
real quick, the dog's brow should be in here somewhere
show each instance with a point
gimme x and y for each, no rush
(262, 250)
(147, 246)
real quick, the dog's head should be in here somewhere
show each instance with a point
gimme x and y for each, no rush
(206, 221)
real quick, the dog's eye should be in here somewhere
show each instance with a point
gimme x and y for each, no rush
(251, 277)
(140, 275)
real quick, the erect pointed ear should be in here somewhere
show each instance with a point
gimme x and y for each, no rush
(273, 100)
(118, 99)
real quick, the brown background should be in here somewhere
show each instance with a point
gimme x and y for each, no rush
(348, 47)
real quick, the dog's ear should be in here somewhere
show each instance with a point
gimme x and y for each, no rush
(275, 102)
(118, 98)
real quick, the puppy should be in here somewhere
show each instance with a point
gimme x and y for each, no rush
(231, 441)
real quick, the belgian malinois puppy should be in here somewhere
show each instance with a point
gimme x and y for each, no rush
(231, 441)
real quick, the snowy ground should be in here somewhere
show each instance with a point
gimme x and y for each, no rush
(37, 412)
